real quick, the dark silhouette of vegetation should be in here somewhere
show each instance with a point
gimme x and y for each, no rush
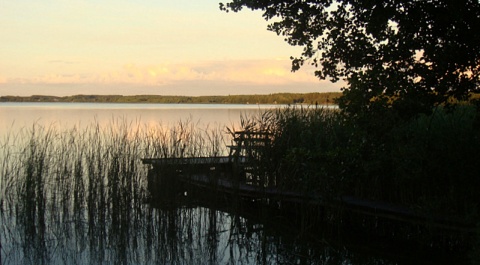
(77, 196)
(404, 134)
(407, 56)
(278, 98)
(427, 164)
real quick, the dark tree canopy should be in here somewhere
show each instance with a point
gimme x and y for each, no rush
(407, 54)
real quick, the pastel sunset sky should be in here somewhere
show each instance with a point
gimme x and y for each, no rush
(181, 47)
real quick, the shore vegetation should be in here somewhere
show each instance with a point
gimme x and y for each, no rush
(426, 164)
(278, 98)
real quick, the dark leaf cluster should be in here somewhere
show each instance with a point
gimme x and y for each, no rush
(406, 54)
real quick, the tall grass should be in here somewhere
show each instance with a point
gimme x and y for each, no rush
(306, 144)
(89, 177)
(435, 157)
(183, 140)
(428, 163)
(76, 196)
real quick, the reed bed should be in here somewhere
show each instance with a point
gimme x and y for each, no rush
(77, 196)
(85, 183)
(317, 148)
(427, 163)
(304, 149)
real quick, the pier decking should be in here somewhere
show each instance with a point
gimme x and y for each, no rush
(234, 175)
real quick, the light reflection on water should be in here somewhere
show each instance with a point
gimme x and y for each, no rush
(69, 114)
(91, 208)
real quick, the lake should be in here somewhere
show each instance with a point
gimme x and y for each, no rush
(69, 114)
(74, 192)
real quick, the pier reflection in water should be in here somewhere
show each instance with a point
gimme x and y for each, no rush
(202, 228)
(78, 196)
(182, 230)
(185, 229)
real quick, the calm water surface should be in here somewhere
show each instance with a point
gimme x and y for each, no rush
(69, 114)
(65, 208)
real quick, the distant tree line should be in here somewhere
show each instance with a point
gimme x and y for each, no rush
(278, 98)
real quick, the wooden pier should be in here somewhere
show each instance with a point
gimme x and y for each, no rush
(236, 175)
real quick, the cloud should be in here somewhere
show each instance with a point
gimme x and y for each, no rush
(258, 72)
(255, 72)
(210, 77)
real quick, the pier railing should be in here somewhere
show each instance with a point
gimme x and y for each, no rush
(248, 155)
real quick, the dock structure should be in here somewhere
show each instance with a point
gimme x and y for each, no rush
(238, 175)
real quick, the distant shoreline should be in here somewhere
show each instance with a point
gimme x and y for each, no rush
(277, 98)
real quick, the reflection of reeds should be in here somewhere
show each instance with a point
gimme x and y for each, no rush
(77, 195)
(88, 178)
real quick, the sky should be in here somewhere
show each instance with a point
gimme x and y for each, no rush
(138, 47)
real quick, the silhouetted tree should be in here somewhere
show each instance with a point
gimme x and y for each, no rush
(407, 55)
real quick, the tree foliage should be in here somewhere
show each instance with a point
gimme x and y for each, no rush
(407, 54)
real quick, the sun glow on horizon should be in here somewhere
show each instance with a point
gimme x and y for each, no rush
(51, 44)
